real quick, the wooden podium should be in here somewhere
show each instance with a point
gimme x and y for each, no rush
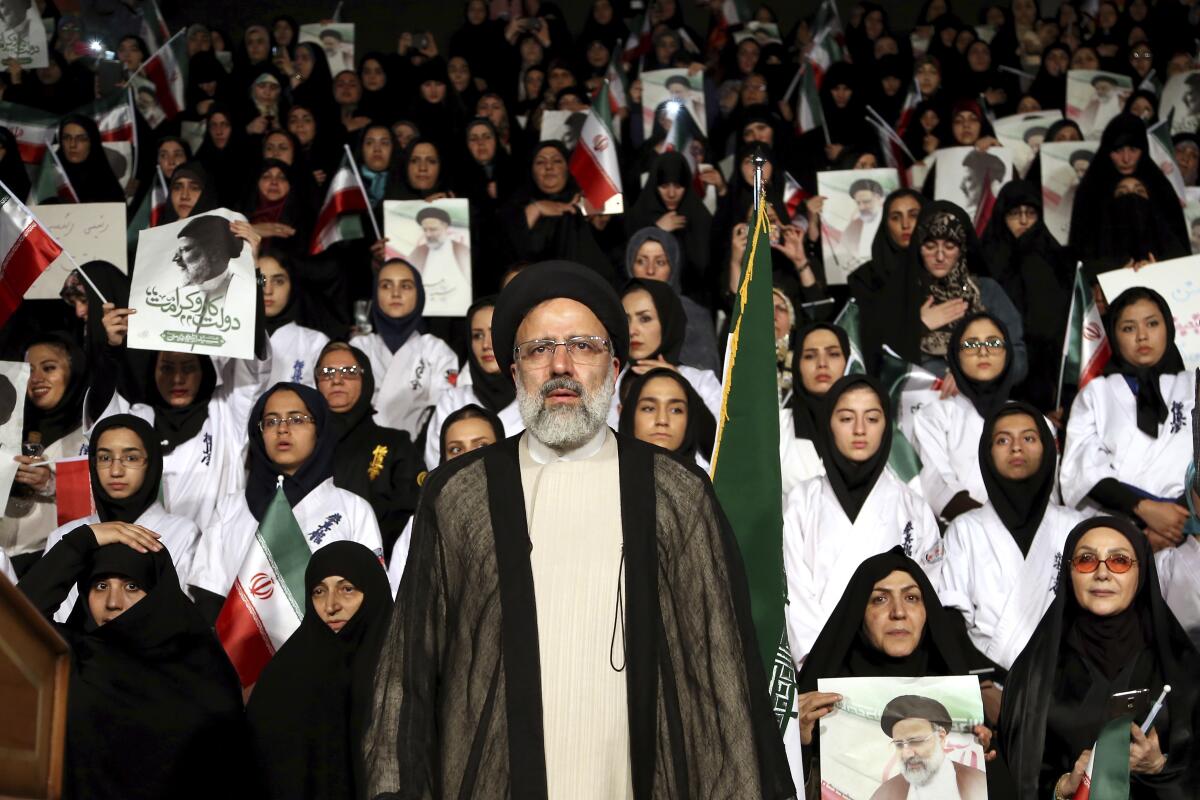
(34, 671)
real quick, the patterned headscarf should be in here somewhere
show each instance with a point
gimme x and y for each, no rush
(955, 284)
(783, 348)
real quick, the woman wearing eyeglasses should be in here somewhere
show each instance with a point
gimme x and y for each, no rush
(292, 446)
(378, 464)
(414, 368)
(126, 465)
(294, 347)
(946, 431)
(1129, 436)
(1107, 631)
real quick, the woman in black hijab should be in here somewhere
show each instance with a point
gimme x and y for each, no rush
(669, 201)
(1124, 152)
(154, 705)
(12, 170)
(83, 159)
(224, 154)
(191, 191)
(277, 207)
(889, 249)
(819, 358)
(649, 412)
(1049, 87)
(310, 707)
(1107, 631)
(1131, 231)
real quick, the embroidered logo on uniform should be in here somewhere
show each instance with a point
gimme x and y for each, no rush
(1177, 421)
(783, 684)
(935, 553)
(907, 543)
(418, 374)
(206, 458)
(298, 372)
(83, 449)
(377, 456)
(317, 536)
(452, 377)
(1057, 570)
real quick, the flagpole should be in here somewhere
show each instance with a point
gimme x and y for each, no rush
(82, 274)
(363, 189)
(1062, 364)
(758, 181)
(888, 131)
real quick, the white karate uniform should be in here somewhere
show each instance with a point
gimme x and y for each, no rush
(211, 464)
(326, 514)
(28, 520)
(6, 567)
(1179, 579)
(409, 382)
(395, 569)
(946, 437)
(704, 381)
(798, 458)
(1001, 593)
(179, 535)
(295, 350)
(822, 548)
(1103, 440)
(452, 400)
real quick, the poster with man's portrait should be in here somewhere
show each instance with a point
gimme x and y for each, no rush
(22, 34)
(145, 97)
(14, 375)
(1063, 167)
(889, 736)
(972, 178)
(194, 288)
(436, 239)
(1180, 102)
(852, 214)
(336, 40)
(1023, 134)
(1094, 97)
(675, 87)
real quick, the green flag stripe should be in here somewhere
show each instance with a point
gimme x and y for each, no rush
(1110, 768)
(286, 549)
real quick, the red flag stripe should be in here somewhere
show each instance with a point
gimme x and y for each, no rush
(28, 258)
(243, 636)
(597, 186)
(157, 73)
(347, 201)
(73, 493)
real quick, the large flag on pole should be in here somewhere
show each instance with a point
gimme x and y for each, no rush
(339, 219)
(1085, 347)
(594, 160)
(167, 71)
(749, 486)
(26, 250)
(266, 603)
(51, 182)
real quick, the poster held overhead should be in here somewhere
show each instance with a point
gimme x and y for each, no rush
(435, 238)
(852, 214)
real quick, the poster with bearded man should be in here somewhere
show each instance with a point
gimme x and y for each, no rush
(436, 239)
(896, 738)
(194, 288)
(851, 216)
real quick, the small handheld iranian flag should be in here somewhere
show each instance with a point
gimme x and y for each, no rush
(793, 194)
(909, 387)
(828, 42)
(52, 182)
(72, 489)
(113, 115)
(167, 71)
(150, 212)
(339, 220)
(1107, 776)
(1085, 347)
(809, 114)
(154, 28)
(594, 161)
(34, 130)
(26, 248)
(266, 603)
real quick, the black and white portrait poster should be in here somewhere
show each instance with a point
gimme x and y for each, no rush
(436, 239)
(852, 214)
(335, 39)
(14, 375)
(682, 91)
(1094, 97)
(22, 34)
(194, 288)
(889, 736)
(1181, 102)
(1023, 134)
(972, 178)
(1063, 167)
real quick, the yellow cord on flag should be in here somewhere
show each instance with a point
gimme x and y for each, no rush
(761, 221)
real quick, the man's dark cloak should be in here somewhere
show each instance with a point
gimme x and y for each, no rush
(458, 706)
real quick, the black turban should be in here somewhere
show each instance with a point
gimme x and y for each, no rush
(546, 281)
(433, 212)
(911, 706)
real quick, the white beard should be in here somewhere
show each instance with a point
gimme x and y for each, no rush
(565, 427)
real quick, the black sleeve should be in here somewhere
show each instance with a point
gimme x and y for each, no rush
(49, 581)
(1111, 493)
(207, 603)
(959, 504)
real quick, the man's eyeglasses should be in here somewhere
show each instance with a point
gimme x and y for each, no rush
(350, 373)
(273, 423)
(995, 343)
(587, 350)
(1088, 563)
(128, 460)
(911, 744)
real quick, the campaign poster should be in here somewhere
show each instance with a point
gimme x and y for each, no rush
(336, 40)
(22, 34)
(972, 178)
(1063, 167)
(674, 91)
(436, 239)
(1094, 97)
(1180, 102)
(194, 288)
(1023, 134)
(14, 376)
(852, 214)
(89, 232)
(903, 737)
(1178, 281)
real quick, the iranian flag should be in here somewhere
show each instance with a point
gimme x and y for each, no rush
(27, 250)
(1107, 776)
(729, 14)
(51, 182)
(747, 485)
(618, 98)
(640, 40)
(266, 603)
(1085, 347)
(909, 387)
(1162, 151)
(809, 114)
(793, 194)
(72, 489)
(911, 101)
(154, 28)
(113, 115)
(594, 161)
(167, 71)
(150, 212)
(34, 130)
(339, 219)
(847, 320)
(828, 43)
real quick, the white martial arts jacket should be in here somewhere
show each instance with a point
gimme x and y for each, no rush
(295, 350)
(452, 400)
(946, 437)
(822, 548)
(1179, 579)
(1002, 594)
(6, 568)
(798, 458)
(410, 382)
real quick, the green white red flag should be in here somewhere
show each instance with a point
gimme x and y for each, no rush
(809, 114)
(909, 387)
(33, 129)
(150, 212)
(51, 182)
(1107, 776)
(167, 71)
(266, 603)
(594, 162)
(1162, 151)
(113, 115)
(828, 43)
(26, 250)
(339, 219)
(154, 28)
(1086, 348)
